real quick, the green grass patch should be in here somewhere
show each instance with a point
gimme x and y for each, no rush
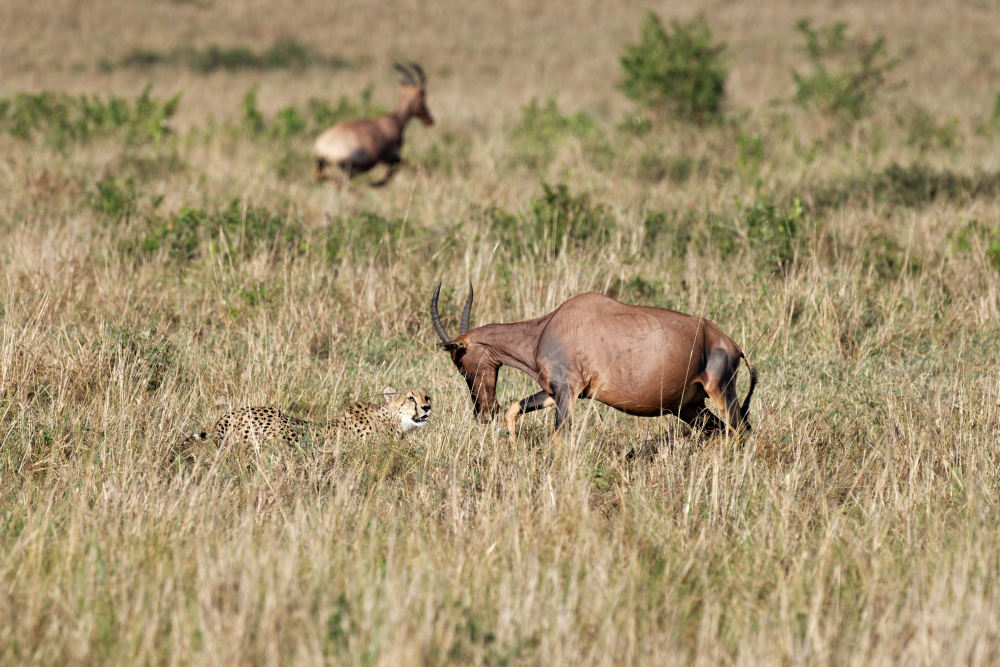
(543, 128)
(282, 53)
(907, 186)
(60, 120)
(557, 219)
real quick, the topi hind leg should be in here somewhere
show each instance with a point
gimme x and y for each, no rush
(565, 399)
(320, 167)
(698, 416)
(719, 380)
(390, 172)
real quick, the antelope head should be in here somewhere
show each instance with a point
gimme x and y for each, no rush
(473, 360)
(413, 97)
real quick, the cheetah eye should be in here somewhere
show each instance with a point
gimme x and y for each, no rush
(412, 400)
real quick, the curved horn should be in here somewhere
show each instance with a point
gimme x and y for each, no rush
(436, 318)
(406, 72)
(466, 311)
(420, 73)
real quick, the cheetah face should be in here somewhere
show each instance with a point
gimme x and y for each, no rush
(413, 409)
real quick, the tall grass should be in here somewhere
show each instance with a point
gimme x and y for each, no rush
(150, 285)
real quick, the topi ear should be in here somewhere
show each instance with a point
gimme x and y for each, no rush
(451, 345)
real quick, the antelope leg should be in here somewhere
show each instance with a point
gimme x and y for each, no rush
(524, 406)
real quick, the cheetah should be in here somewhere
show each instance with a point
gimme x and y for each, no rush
(402, 412)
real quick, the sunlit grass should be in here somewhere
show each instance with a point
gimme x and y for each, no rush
(153, 280)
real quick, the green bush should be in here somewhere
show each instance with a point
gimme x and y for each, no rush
(846, 73)
(60, 119)
(770, 234)
(238, 229)
(292, 121)
(924, 132)
(367, 235)
(886, 256)
(542, 127)
(556, 217)
(681, 71)
(113, 200)
(980, 236)
(670, 233)
(906, 186)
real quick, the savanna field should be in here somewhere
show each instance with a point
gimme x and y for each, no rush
(166, 256)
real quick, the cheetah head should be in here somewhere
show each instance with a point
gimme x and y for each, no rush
(411, 406)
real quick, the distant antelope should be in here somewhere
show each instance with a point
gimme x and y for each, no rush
(356, 146)
(641, 360)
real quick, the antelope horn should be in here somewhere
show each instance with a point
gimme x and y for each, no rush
(436, 318)
(420, 73)
(466, 311)
(407, 74)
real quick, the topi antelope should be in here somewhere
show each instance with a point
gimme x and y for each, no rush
(641, 360)
(356, 146)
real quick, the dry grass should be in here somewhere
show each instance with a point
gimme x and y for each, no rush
(858, 523)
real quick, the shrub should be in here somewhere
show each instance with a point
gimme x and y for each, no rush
(253, 119)
(681, 71)
(557, 217)
(750, 149)
(846, 72)
(924, 132)
(542, 127)
(907, 186)
(558, 214)
(113, 200)
(976, 236)
(772, 233)
(365, 235)
(241, 229)
(291, 121)
(238, 229)
(448, 153)
(769, 233)
(673, 233)
(60, 119)
(886, 256)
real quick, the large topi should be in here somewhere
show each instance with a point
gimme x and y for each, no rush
(641, 360)
(356, 146)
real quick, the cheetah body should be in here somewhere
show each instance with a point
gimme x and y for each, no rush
(402, 412)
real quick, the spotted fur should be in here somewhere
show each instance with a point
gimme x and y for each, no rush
(400, 413)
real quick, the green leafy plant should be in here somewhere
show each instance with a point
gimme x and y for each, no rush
(771, 232)
(368, 235)
(681, 71)
(542, 127)
(292, 121)
(845, 73)
(978, 235)
(556, 217)
(924, 132)
(907, 186)
(60, 119)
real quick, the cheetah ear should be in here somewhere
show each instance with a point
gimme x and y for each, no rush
(388, 393)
